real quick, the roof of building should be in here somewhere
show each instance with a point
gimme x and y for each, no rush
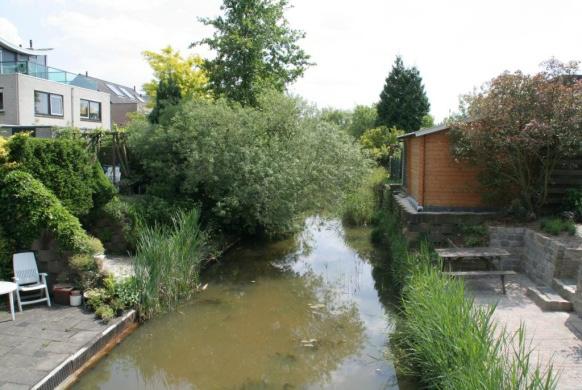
(21, 50)
(427, 131)
(119, 93)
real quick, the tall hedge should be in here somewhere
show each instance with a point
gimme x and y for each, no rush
(27, 208)
(65, 167)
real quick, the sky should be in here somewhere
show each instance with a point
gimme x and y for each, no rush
(457, 45)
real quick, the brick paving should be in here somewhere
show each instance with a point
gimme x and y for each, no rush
(39, 340)
(555, 336)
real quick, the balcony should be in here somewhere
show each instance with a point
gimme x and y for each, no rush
(47, 73)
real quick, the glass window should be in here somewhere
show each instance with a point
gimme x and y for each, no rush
(114, 89)
(1, 99)
(56, 103)
(48, 104)
(41, 103)
(127, 93)
(84, 108)
(94, 110)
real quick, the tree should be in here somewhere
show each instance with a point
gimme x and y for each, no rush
(341, 118)
(255, 50)
(187, 73)
(518, 128)
(381, 142)
(403, 101)
(253, 170)
(427, 122)
(363, 118)
(168, 95)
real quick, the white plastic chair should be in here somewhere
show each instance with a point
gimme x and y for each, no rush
(27, 277)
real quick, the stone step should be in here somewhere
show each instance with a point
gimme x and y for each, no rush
(548, 300)
(565, 287)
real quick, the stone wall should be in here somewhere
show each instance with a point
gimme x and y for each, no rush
(540, 257)
(50, 258)
(510, 239)
(436, 226)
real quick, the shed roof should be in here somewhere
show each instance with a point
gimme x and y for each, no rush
(427, 131)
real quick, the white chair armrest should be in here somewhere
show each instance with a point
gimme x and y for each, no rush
(43, 273)
(15, 279)
(43, 276)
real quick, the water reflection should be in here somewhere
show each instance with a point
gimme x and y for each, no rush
(300, 313)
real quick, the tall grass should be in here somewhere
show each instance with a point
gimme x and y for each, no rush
(358, 208)
(167, 262)
(445, 338)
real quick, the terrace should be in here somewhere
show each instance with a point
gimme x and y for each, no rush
(48, 73)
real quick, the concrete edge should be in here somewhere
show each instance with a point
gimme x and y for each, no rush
(86, 352)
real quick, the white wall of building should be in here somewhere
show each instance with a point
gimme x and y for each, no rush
(19, 103)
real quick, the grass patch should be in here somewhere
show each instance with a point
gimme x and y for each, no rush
(168, 262)
(444, 338)
(358, 208)
(555, 226)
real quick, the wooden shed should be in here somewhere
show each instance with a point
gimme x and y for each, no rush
(432, 178)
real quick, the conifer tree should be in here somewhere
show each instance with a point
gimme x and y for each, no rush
(403, 101)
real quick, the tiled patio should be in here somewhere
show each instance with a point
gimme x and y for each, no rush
(555, 336)
(39, 340)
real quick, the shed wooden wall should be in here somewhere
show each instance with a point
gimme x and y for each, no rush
(434, 179)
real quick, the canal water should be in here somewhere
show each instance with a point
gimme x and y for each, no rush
(312, 311)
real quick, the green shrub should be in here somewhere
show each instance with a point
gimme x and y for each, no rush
(95, 246)
(7, 248)
(127, 292)
(65, 167)
(3, 150)
(167, 263)
(128, 212)
(359, 206)
(474, 235)
(574, 202)
(105, 313)
(26, 200)
(555, 226)
(252, 170)
(84, 271)
(96, 297)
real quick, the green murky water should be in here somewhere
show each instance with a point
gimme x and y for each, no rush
(308, 312)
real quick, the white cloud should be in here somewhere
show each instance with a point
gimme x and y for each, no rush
(9, 31)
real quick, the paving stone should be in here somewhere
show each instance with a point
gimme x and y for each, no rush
(51, 360)
(22, 375)
(13, 386)
(39, 340)
(82, 337)
(555, 336)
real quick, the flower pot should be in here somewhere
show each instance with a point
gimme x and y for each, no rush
(75, 298)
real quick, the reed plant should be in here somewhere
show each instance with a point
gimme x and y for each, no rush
(168, 261)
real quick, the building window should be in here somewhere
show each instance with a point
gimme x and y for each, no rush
(1, 99)
(90, 110)
(84, 108)
(48, 104)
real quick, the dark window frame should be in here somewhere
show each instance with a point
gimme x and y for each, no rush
(1, 99)
(49, 114)
(88, 117)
